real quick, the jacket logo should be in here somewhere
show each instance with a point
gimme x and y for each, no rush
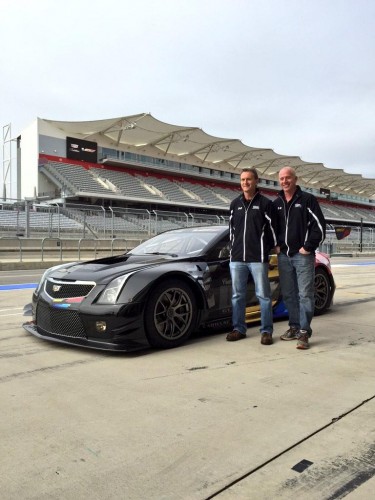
(256, 207)
(298, 205)
(56, 288)
(239, 208)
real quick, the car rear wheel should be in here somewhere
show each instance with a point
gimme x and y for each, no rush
(170, 314)
(322, 291)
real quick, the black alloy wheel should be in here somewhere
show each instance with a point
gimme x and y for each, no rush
(170, 314)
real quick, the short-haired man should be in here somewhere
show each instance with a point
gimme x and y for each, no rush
(252, 236)
(300, 229)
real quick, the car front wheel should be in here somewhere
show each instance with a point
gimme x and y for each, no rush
(322, 291)
(170, 314)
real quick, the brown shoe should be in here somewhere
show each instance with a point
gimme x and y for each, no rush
(266, 339)
(235, 335)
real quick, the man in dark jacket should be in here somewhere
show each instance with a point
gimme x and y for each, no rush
(300, 229)
(252, 236)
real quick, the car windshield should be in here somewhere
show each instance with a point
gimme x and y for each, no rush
(179, 243)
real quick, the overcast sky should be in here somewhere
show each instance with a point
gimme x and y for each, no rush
(297, 76)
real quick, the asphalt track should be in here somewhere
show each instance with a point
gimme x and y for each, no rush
(211, 419)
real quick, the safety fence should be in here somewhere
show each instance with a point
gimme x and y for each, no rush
(82, 221)
(76, 232)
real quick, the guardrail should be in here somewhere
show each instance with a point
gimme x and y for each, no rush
(19, 242)
(18, 249)
(348, 247)
(50, 248)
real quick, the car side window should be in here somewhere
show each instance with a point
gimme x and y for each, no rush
(225, 252)
(221, 251)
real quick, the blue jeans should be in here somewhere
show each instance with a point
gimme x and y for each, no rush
(297, 287)
(240, 272)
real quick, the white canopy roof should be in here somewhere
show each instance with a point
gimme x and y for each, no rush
(145, 133)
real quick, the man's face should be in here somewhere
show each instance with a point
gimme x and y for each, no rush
(287, 180)
(248, 184)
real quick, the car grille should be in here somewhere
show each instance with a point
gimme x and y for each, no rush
(59, 321)
(62, 290)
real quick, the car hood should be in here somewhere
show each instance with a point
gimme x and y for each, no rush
(104, 270)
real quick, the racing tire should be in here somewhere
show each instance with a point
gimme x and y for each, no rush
(322, 291)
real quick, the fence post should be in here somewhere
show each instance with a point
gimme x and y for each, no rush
(52, 239)
(113, 222)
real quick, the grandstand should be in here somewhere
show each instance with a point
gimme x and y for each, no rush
(136, 176)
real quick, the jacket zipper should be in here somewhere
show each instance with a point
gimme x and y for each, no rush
(286, 211)
(245, 227)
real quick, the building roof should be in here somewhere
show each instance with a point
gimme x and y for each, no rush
(150, 136)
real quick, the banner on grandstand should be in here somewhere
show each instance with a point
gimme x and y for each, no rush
(342, 232)
(79, 149)
(325, 191)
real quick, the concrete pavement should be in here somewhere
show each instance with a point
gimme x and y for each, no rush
(209, 419)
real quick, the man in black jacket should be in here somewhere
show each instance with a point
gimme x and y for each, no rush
(300, 230)
(252, 236)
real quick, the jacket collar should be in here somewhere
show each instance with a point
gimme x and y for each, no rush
(297, 193)
(253, 198)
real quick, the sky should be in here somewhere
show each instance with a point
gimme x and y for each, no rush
(296, 76)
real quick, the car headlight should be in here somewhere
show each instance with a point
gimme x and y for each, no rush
(111, 292)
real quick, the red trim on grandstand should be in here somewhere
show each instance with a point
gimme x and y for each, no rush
(132, 170)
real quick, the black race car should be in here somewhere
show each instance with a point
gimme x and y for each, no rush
(156, 295)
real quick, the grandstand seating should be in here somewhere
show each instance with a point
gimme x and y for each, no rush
(168, 190)
(139, 186)
(75, 178)
(78, 178)
(338, 212)
(365, 214)
(128, 184)
(328, 211)
(206, 194)
(39, 221)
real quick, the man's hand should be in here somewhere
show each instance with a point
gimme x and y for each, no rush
(303, 251)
